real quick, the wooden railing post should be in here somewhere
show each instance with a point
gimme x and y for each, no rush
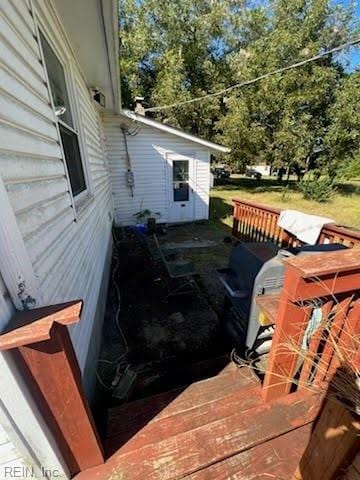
(348, 342)
(335, 438)
(290, 325)
(334, 443)
(41, 345)
(236, 215)
(331, 279)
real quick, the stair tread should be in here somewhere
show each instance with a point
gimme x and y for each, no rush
(155, 431)
(139, 412)
(189, 452)
(178, 375)
(275, 459)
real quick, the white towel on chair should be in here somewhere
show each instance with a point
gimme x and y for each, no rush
(306, 228)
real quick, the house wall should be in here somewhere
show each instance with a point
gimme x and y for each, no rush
(147, 150)
(9, 454)
(69, 248)
(10, 458)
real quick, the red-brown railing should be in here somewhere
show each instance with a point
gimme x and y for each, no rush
(253, 222)
(329, 283)
(42, 347)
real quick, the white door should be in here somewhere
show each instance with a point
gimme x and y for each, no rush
(181, 187)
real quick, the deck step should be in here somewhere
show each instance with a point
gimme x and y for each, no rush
(174, 375)
(227, 441)
(193, 450)
(130, 417)
(160, 429)
(275, 459)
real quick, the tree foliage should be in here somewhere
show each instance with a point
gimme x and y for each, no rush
(170, 52)
(342, 140)
(175, 51)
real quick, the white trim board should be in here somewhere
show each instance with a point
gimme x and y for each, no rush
(129, 115)
(15, 265)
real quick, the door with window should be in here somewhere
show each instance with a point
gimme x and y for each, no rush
(181, 188)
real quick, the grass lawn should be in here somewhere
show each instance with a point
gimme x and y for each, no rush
(344, 208)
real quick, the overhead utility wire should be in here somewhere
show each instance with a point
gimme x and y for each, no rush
(254, 80)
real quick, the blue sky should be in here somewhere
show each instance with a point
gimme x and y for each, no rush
(354, 57)
(355, 51)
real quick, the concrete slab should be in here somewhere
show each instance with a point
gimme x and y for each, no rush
(194, 243)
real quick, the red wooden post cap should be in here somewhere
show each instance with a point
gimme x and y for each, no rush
(326, 263)
(31, 326)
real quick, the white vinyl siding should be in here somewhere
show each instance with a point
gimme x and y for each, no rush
(62, 250)
(202, 183)
(69, 250)
(148, 149)
(12, 464)
(9, 456)
(6, 305)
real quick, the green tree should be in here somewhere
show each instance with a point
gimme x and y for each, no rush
(176, 51)
(173, 51)
(286, 116)
(342, 141)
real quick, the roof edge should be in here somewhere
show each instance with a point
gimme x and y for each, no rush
(113, 52)
(128, 114)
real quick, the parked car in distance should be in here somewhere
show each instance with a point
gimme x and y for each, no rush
(220, 173)
(252, 173)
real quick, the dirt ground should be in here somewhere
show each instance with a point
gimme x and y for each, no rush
(206, 259)
(161, 337)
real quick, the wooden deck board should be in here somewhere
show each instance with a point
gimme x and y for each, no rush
(138, 413)
(275, 459)
(156, 431)
(188, 452)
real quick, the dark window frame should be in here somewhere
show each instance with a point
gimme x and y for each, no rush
(71, 148)
(69, 136)
(180, 180)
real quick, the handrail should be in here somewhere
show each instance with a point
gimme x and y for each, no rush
(329, 286)
(338, 232)
(253, 222)
(258, 205)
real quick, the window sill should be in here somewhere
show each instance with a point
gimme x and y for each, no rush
(82, 203)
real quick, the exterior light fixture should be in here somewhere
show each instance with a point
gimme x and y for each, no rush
(98, 96)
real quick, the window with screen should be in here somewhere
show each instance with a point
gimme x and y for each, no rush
(69, 136)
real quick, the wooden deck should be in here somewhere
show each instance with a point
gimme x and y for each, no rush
(218, 428)
(253, 222)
